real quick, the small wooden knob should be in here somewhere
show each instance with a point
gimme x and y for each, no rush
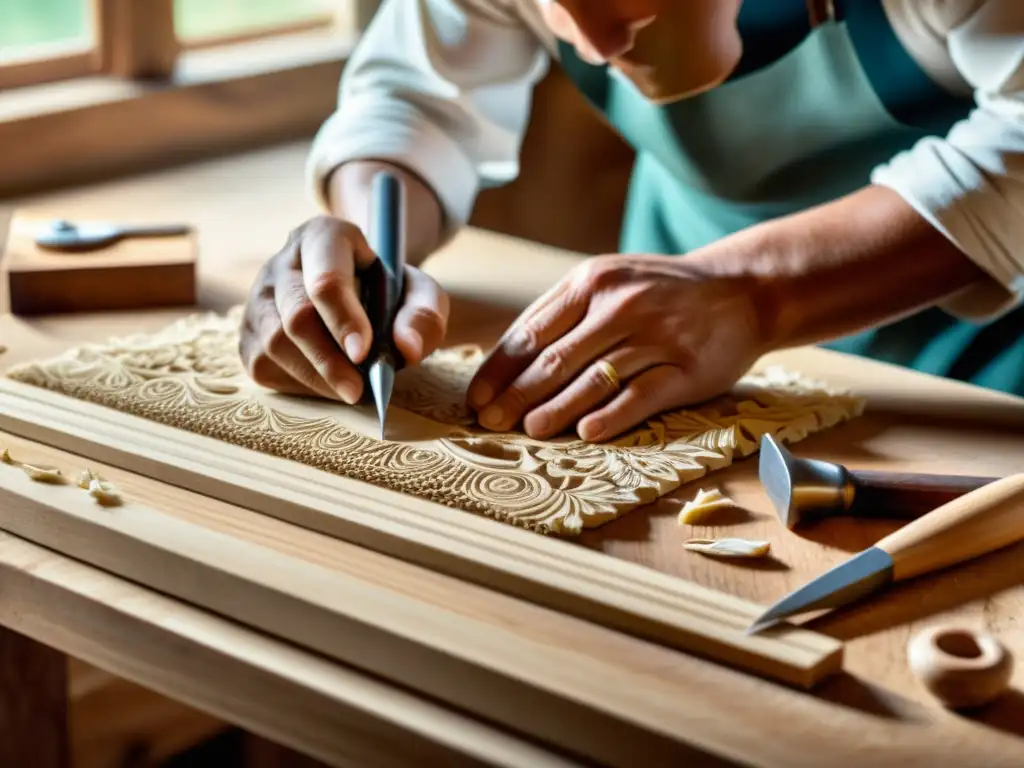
(960, 667)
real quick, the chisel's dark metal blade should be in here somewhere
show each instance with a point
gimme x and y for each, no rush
(860, 575)
(382, 381)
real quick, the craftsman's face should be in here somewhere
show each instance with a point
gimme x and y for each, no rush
(668, 48)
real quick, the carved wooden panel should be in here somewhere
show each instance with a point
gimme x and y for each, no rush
(189, 376)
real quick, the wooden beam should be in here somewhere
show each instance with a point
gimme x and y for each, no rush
(321, 709)
(543, 570)
(469, 661)
(33, 703)
(137, 38)
(736, 718)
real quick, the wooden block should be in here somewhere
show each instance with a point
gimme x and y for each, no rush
(135, 273)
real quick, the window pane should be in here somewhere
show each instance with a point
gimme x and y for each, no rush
(25, 24)
(215, 18)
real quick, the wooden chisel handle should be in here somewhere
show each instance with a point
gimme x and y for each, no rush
(979, 522)
(906, 495)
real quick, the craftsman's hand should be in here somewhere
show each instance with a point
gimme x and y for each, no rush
(305, 329)
(673, 334)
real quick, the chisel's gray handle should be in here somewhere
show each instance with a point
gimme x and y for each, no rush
(383, 283)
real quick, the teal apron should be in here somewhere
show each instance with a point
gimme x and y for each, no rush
(804, 118)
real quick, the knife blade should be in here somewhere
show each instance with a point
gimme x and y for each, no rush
(986, 519)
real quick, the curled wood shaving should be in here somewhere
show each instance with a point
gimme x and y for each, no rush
(703, 504)
(104, 492)
(41, 474)
(729, 547)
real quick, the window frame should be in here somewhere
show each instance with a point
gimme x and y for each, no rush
(67, 64)
(141, 98)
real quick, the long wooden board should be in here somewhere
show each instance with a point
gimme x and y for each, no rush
(547, 691)
(719, 712)
(338, 715)
(544, 570)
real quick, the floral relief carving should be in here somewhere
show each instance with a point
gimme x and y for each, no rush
(189, 376)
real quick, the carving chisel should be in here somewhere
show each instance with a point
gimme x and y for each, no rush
(807, 490)
(382, 286)
(986, 519)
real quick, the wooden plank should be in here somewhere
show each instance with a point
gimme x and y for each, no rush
(33, 703)
(550, 572)
(719, 712)
(469, 662)
(321, 709)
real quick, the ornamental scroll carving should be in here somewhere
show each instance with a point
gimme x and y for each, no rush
(189, 376)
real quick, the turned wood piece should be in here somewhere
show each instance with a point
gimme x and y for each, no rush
(960, 667)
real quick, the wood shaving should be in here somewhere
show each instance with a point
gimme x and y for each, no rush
(104, 492)
(703, 504)
(41, 474)
(729, 547)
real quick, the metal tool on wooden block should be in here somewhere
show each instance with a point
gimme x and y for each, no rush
(382, 287)
(64, 235)
(806, 490)
(54, 266)
(975, 524)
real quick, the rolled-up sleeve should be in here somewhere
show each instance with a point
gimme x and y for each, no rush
(440, 87)
(970, 183)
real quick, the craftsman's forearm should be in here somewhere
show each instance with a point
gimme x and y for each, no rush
(861, 261)
(349, 197)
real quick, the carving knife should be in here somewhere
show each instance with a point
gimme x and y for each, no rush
(382, 286)
(807, 490)
(979, 522)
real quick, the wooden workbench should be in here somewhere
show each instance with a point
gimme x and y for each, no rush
(244, 208)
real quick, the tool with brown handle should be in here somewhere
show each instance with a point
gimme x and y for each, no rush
(804, 490)
(979, 522)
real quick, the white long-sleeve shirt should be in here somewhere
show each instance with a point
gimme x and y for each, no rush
(444, 88)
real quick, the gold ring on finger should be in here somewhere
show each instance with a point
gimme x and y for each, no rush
(607, 370)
